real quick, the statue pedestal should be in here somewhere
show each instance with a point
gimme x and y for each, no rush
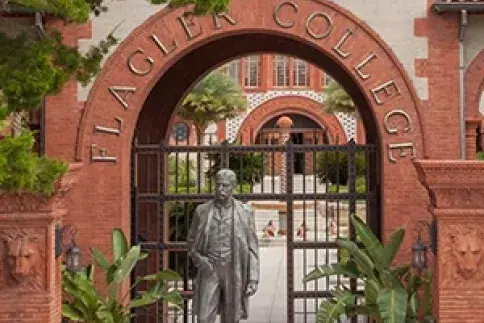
(456, 190)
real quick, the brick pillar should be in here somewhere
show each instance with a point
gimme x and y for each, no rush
(30, 280)
(471, 138)
(456, 190)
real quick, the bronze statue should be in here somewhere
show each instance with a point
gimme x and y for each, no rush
(222, 244)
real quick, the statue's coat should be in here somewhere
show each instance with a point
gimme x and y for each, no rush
(245, 251)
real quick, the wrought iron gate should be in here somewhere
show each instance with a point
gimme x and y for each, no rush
(313, 208)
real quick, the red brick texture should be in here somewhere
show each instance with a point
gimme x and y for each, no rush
(456, 189)
(279, 106)
(441, 111)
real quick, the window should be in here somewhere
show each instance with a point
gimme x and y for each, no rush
(300, 73)
(252, 71)
(232, 69)
(326, 79)
(180, 131)
(281, 70)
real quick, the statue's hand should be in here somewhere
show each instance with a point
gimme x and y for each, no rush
(251, 288)
(206, 265)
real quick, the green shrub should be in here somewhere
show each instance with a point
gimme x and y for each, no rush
(181, 173)
(22, 170)
(360, 186)
(480, 155)
(333, 166)
(247, 166)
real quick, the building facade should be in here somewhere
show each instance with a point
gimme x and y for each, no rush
(413, 68)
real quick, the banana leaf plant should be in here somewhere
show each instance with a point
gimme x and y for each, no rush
(83, 301)
(392, 294)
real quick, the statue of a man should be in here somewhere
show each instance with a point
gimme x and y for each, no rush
(222, 244)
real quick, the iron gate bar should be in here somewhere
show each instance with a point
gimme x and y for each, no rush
(153, 149)
(290, 233)
(257, 197)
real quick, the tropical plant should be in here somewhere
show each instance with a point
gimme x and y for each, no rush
(480, 155)
(216, 97)
(338, 100)
(84, 303)
(393, 294)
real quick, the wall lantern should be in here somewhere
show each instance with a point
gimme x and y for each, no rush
(73, 252)
(419, 248)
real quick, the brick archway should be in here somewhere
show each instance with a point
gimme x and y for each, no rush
(150, 72)
(290, 104)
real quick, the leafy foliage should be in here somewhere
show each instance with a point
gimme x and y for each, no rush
(333, 166)
(480, 155)
(338, 100)
(31, 69)
(69, 10)
(392, 294)
(84, 303)
(216, 97)
(200, 7)
(181, 173)
(247, 166)
(21, 170)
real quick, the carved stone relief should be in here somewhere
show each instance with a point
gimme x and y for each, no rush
(462, 255)
(22, 259)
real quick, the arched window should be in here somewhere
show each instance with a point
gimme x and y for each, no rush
(180, 131)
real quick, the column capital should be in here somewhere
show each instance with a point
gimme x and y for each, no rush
(453, 184)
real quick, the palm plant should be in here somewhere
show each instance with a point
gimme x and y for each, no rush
(393, 294)
(84, 303)
(338, 100)
(216, 97)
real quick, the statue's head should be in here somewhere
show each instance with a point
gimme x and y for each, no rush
(226, 180)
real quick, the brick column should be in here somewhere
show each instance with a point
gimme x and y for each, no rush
(456, 190)
(30, 280)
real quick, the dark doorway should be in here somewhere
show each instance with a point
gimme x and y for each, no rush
(297, 138)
